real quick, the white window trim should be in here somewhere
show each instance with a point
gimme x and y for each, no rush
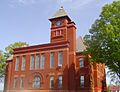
(51, 78)
(37, 63)
(81, 60)
(42, 61)
(17, 62)
(22, 86)
(14, 82)
(52, 62)
(60, 65)
(60, 79)
(82, 80)
(23, 66)
(32, 68)
(34, 81)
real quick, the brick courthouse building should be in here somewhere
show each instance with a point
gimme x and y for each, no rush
(58, 66)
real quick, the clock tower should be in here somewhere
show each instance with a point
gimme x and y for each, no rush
(63, 29)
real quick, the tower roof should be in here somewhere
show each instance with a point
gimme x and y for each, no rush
(60, 13)
(80, 47)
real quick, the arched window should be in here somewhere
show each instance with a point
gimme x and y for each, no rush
(36, 82)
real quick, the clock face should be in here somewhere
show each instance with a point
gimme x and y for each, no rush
(58, 23)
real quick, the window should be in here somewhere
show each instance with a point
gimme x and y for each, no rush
(51, 82)
(15, 82)
(37, 61)
(60, 58)
(60, 32)
(60, 82)
(42, 61)
(51, 60)
(81, 60)
(17, 63)
(23, 63)
(32, 62)
(82, 81)
(36, 82)
(57, 33)
(54, 33)
(22, 82)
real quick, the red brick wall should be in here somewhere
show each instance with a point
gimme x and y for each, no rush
(45, 73)
(70, 70)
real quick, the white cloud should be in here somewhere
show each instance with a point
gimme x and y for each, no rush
(85, 2)
(26, 1)
(75, 3)
(23, 2)
(66, 1)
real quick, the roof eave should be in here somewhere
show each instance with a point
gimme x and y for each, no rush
(53, 18)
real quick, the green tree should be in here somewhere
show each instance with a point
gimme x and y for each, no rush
(2, 65)
(9, 50)
(103, 40)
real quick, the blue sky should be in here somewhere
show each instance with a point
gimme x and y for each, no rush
(27, 20)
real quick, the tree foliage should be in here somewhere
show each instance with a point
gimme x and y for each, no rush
(103, 41)
(2, 65)
(9, 49)
(5, 55)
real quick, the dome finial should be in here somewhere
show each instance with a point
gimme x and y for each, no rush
(61, 7)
